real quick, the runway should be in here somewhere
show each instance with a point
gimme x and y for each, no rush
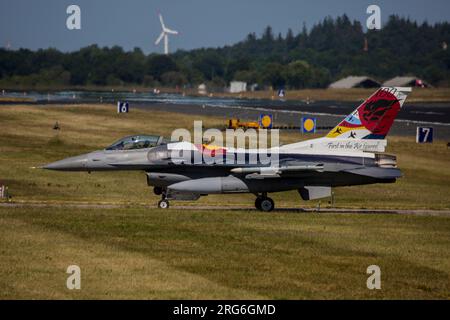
(289, 112)
(416, 212)
(418, 112)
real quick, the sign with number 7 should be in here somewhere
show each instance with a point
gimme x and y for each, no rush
(424, 135)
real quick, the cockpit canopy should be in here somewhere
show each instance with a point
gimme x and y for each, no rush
(137, 142)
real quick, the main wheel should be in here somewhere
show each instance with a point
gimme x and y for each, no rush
(258, 203)
(163, 204)
(267, 205)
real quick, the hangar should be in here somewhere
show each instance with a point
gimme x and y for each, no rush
(355, 82)
(410, 81)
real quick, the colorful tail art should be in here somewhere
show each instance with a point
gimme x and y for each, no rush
(374, 117)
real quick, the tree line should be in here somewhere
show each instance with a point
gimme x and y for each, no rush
(332, 49)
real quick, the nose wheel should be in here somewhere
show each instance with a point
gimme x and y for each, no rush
(264, 203)
(163, 204)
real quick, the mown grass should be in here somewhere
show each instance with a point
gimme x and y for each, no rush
(142, 253)
(27, 140)
(15, 99)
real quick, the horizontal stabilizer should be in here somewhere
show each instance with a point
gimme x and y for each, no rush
(377, 172)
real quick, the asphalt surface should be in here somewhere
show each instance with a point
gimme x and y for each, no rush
(412, 111)
(417, 212)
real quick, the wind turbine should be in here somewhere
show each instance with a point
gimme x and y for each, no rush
(165, 34)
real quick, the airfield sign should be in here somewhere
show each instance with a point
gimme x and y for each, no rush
(424, 135)
(122, 107)
(266, 121)
(308, 125)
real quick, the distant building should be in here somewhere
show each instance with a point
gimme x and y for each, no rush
(355, 82)
(406, 82)
(202, 89)
(238, 86)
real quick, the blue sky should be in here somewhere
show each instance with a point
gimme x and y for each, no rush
(202, 23)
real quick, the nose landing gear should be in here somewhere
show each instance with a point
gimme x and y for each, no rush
(163, 203)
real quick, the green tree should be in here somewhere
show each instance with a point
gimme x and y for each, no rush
(173, 78)
(159, 64)
(298, 74)
(210, 63)
(249, 76)
(273, 74)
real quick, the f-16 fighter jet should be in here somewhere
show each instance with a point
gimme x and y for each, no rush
(350, 154)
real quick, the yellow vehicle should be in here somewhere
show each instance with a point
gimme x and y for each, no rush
(236, 124)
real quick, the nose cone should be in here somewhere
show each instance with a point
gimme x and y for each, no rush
(77, 163)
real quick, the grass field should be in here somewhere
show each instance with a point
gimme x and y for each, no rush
(140, 252)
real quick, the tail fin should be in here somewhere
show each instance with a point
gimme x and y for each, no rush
(374, 117)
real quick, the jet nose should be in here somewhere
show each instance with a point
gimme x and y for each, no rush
(77, 163)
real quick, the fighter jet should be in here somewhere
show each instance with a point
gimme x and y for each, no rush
(350, 154)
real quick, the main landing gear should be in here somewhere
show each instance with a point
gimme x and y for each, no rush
(158, 191)
(264, 203)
